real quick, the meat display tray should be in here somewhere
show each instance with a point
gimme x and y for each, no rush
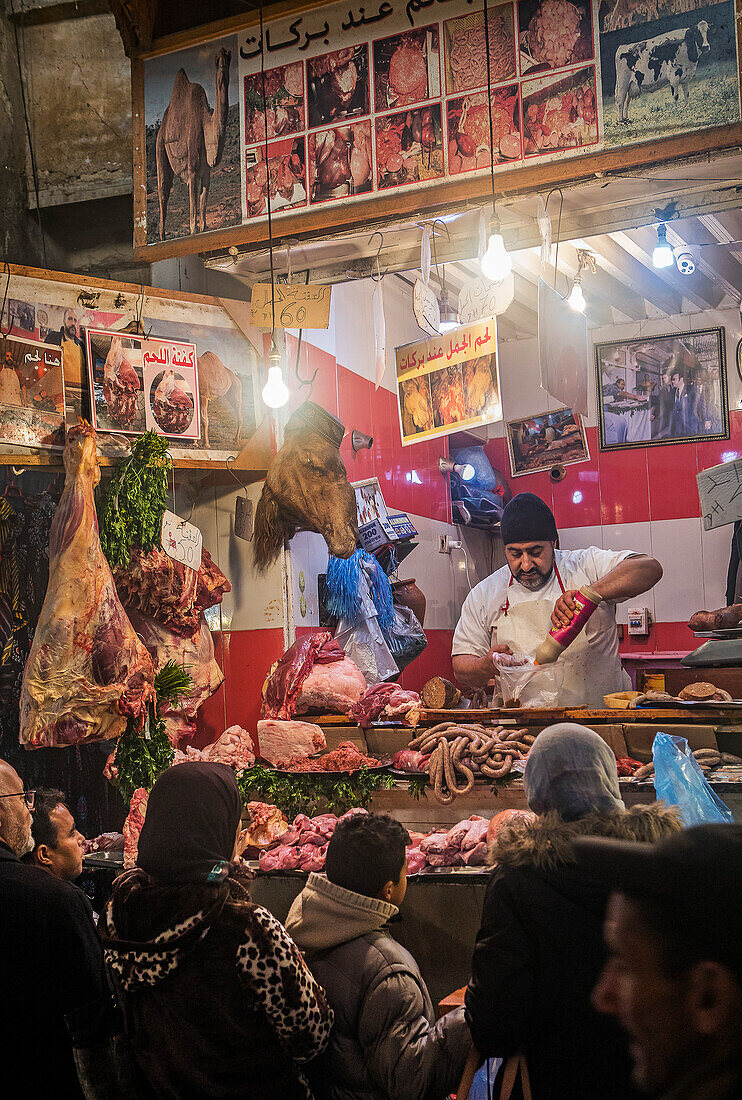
(377, 770)
(105, 858)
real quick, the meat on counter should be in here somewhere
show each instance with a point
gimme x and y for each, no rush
(291, 688)
(279, 740)
(386, 702)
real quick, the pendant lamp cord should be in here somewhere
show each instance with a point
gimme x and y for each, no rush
(268, 179)
(489, 102)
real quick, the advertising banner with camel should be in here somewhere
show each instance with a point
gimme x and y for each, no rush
(359, 107)
(203, 396)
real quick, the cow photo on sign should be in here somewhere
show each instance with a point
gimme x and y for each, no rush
(667, 68)
(192, 112)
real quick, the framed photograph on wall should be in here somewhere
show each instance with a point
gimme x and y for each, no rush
(662, 389)
(547, 439)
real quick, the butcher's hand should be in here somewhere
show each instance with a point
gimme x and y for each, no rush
(472, 672)
(565, 608)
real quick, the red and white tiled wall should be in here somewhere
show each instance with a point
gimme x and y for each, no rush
(643, 499)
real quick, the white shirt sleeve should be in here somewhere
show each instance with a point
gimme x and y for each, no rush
(599, 562)
(473, 631)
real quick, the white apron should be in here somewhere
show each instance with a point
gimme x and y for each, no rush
(589, 674)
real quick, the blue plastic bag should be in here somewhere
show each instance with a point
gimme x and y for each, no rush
(679, 781)
(479, 1090)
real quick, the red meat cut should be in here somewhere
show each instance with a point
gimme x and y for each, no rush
(408, 75)
(172, 407)
(233, 748)
(267, 824)
(87, 671)
(195, 653)
(121, 385)
(331, 689)
(282, 740)
(169, 591)
(385, 701)
(286, 678)
(133, 826)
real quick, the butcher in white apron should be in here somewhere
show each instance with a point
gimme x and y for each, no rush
(513, 609)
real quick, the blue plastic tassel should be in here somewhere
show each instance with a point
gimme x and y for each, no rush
(343, 595)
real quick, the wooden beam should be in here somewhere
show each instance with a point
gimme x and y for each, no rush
(626, 268)
(732, 222)
(697, 287)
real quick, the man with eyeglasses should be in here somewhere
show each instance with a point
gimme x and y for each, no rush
(56, 996)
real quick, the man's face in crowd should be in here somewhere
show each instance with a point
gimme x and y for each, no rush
(15, 816)
(678, 381)
(530, 563)
(64, 860)
(655, 1010)
(621, 384)
(70, 324)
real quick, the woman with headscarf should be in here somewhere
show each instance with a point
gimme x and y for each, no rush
(539, 950)
(217, 1000)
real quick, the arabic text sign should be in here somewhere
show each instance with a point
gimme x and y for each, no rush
(426, 308)
(296, 306)
(481, 297)
(448, 349)
(448, 383)
(31, 393)
(181, 541)
(720, 493)
(142, 384)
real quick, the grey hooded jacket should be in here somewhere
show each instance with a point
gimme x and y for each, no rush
(385, 1044)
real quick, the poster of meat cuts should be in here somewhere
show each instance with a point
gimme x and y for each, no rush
(358, 101)
(448, 383)
(31, 394)
(142, 384)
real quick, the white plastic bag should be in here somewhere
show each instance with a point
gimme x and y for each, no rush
(533, 685)
(363, 641)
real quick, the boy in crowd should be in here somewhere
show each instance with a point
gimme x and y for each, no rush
(385, 1044)
(58, 846)
(673, 978)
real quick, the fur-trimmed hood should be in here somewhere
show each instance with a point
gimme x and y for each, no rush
(545, 844)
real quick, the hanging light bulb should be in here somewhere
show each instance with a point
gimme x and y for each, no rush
(576, 300)
(275, 390)
(496, 263)
(663, 254)
(449, 318)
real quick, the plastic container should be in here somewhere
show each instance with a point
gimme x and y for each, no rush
(559, 637)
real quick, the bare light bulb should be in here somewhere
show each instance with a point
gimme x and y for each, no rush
(275, 390)
(576, 300)
(662, 256)
(496, 263)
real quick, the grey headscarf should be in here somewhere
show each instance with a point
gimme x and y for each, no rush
(571, 770)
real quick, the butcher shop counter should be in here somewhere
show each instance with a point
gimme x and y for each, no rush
(438, 922)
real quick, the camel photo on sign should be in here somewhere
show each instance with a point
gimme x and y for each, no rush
(192, 107)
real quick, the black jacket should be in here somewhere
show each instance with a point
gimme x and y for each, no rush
(54, 988)
(539, 952)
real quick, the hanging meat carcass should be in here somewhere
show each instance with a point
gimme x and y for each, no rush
(169, 591)
(87, 671)
(306, 489)
(172, 407)
(195, 653)
(121, 385)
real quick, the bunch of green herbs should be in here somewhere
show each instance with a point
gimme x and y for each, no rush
(142, 755)
(134, 500)
(312, 793)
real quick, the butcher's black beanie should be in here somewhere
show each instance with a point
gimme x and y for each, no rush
(527, 519)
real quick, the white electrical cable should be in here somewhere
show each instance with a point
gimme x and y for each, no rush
(460, 546)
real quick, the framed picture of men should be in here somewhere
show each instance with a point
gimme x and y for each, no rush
(662, 389)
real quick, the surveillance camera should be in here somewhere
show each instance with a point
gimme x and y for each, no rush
(684, 260)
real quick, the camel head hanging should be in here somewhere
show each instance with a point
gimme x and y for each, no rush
(306, 489)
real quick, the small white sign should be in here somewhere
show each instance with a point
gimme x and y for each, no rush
(426, 307)
(181, 541)
(480, 298)
(720, 492)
